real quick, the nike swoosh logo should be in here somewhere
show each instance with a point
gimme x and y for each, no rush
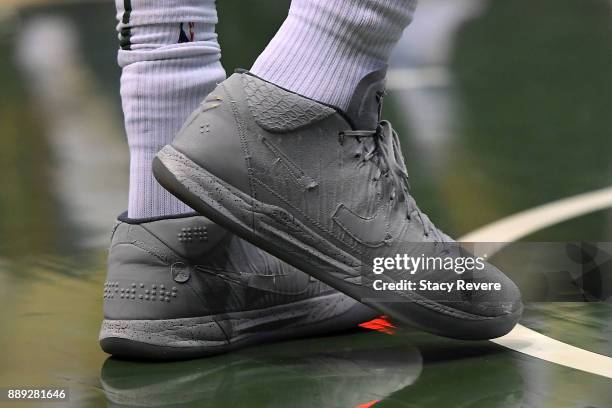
(372, 231)
(294, 171)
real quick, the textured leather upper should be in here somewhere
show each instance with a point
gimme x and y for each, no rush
(281, 111)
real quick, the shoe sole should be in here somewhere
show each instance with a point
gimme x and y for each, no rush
(276, 231)
(187, 338)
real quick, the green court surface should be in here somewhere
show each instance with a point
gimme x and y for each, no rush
(503, 113)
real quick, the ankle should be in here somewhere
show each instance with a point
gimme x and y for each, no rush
(170, 61)
(324, 48)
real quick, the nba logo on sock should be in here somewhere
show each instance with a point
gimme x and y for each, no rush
(188, 36)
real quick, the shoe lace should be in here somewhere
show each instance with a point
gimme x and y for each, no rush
(386, 153)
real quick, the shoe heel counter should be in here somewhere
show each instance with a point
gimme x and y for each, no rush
(212, 137)
(144, 283)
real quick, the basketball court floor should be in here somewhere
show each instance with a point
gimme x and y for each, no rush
(503, 110)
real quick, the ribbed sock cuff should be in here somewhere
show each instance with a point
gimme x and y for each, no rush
(325, 47)
(170, 61)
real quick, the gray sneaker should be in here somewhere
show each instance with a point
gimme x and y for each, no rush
(327, 192)
(183, 287)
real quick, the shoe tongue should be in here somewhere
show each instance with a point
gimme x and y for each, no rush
(366, 102)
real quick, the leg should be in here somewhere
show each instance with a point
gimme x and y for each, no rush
(325, 47)
(170, 61)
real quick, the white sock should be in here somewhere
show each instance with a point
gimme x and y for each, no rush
(325, 47)
(170, 61)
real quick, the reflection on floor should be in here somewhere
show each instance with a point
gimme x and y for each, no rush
(343, 371)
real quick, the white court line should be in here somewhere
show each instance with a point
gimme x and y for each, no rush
(534, 344)
(516, 226)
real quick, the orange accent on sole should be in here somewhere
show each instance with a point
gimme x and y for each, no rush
(367, 404)
(381, 324)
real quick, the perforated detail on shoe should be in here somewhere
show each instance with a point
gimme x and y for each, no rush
(193, 234)
(277, 110)
(139, 291)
